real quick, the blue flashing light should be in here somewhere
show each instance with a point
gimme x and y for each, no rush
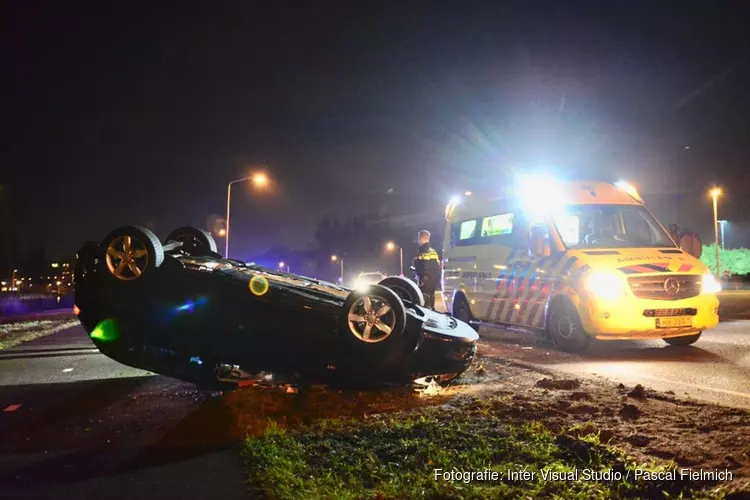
(187, 306)
(190, 305)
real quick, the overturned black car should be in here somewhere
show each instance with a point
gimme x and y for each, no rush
(182, 310)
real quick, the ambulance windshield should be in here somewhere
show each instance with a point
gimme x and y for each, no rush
(610, 226)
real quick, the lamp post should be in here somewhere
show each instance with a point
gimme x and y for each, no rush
(715, 193)
(283, 265)
(260, 180)
(335, 258)
(722, 223)
(390, 246)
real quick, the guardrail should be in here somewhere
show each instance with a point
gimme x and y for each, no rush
(29, 304)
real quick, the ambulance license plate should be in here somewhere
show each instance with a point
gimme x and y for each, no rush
(674, 322)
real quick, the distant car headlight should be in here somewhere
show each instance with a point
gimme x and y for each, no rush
(605, 285)
(709, 284)
(360, 284)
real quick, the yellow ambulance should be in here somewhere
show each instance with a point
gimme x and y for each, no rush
(576, 260)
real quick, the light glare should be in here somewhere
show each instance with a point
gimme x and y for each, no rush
(605, 285)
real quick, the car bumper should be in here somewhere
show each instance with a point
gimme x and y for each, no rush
(637, 318)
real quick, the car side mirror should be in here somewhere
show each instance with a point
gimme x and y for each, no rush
(538, 242)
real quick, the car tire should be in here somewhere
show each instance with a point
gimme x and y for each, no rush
(684, 340)
(406, 289)
(565, 328)
(373, 348)
(462, 312)
(139, 245)
(194, 240)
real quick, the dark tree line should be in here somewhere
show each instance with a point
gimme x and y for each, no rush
(360, 240)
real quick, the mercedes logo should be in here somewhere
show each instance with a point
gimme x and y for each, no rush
(671, 286)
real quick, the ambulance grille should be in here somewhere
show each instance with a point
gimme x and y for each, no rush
(662, 313)
(653, 287)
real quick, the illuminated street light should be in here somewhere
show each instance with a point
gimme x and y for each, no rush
(715, 193)
(468, 193)
(391, 246)
(260, 181)
(282, 265)
(222, 232)
(335, 258)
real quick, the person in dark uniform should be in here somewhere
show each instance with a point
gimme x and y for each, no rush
(427, 267)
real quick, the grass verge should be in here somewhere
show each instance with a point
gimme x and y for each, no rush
(396, 456)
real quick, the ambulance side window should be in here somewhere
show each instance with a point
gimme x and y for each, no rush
(465, 233)
(498, 229)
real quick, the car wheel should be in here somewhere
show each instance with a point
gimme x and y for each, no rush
(131, 252)
(373, 322)
(406, 289)
(685, 340)
(565, 328)
(194, 240)
(462, 312)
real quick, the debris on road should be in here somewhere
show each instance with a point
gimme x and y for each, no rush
(638, 392)
(562, 384)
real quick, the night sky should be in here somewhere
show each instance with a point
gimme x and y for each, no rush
(136, 113)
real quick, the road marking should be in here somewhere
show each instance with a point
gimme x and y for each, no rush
(10, 408)
(66, 370)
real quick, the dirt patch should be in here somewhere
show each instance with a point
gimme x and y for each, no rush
(638, 392)
(580, 396)
(559, 384)
(649, 426)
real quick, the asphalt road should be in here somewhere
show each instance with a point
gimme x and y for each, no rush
(74, 424)
(715, 369)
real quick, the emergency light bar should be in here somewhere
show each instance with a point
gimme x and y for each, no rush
(629, 189)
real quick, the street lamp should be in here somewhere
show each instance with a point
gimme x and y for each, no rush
(391, 246)
(259, 180)
(335, 258)
(715, 193)
(282, 265)
(722, 223)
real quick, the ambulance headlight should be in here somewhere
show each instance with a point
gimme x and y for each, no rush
(709, 284)
(605, 285)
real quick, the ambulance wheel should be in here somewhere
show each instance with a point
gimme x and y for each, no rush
(685, 340)
(565, 328)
